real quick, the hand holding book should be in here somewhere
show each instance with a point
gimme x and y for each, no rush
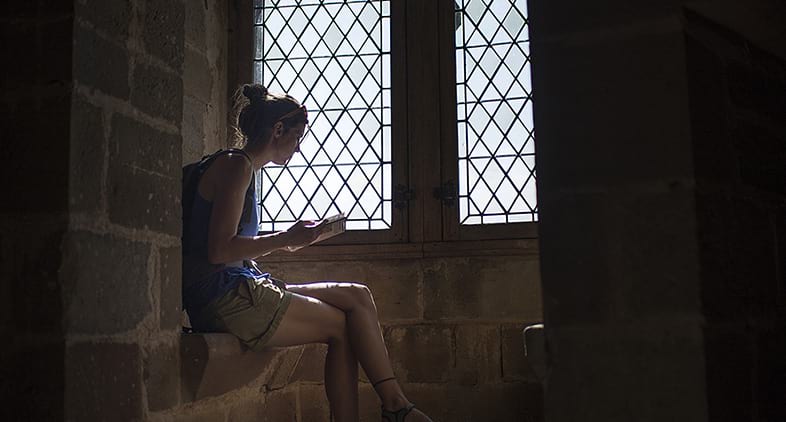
(328, 227)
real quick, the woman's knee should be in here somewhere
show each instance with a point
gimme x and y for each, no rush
(361, 297)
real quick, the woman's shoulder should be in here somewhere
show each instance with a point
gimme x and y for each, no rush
(228, 170)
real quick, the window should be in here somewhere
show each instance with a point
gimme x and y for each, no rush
(421, 115)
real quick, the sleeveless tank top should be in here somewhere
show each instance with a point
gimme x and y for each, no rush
(204, 282)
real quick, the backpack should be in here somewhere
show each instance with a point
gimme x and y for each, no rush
(192, 174)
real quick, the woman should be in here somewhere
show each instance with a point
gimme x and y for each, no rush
(222, 294)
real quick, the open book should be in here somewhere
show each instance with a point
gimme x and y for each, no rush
(331, 226)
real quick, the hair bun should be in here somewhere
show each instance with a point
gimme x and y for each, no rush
(255, 93)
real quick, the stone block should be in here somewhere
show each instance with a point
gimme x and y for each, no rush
(193, 129)
(314, 405)
(478, 357)
(275, 406)
(421, 353)
(88, 149)
(285, 365)
(105, 283)
(143, 200)
(634, 84)
(136, 144)
(103, 382)
(205, 415)
(111, 17)
(515, 366)
(311, 366)
(194, 21)
(621, 256)
(161, 374)
(215, 363)
(170, 277)
(158, 92)
(657, 366)
(482, 287)
(197, 76)
(163, 33)
(100, 64)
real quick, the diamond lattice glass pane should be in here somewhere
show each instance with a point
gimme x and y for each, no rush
(335, 57)
(494, 109)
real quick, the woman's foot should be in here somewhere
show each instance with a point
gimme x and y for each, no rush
(407, 413)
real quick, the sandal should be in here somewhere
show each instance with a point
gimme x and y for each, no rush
(398, 415)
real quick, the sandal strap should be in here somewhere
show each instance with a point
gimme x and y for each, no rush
(398, 415)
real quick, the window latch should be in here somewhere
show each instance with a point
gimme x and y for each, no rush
(447, 193)
(402, 195)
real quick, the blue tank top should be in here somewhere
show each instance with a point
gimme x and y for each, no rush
(204, 282)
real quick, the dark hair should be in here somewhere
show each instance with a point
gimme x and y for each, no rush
(256, 111)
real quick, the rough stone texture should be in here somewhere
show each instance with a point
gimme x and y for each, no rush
(311, 366)
(111, 17)
(158, 92)
(161, 375)
(105, 287)
(209, 415)
(285, 366)
(421, 353)
(275, 406)
(112, 76)
(164, 30)
(515, 366)
(194, 21)
(170, 296)
(498, 287)
(313, 403)
(103, 382)
(196, 81)
(88, 149)
(137, 145)
(478, 357)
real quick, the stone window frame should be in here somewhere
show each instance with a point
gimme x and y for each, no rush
(426, 227)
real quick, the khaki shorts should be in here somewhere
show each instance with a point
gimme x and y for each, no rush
(252, 311)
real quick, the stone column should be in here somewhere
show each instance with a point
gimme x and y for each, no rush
(660, 217)
(92, 113)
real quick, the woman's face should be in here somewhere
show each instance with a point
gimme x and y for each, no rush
(289, 143)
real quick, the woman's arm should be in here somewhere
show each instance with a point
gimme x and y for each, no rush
(231, 176)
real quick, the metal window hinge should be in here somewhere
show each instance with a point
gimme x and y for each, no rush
(402, 195)
(447, 193)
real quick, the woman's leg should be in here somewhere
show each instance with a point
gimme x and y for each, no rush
(365, 336)
(310, 320)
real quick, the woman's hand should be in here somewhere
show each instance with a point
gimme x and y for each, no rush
(302, 234)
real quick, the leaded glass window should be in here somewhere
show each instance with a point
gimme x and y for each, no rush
(494, 105)
(334, 56)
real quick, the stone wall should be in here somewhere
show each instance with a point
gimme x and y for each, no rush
(121, 255)
(661, 207)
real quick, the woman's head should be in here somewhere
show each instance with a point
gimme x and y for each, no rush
(262, 117)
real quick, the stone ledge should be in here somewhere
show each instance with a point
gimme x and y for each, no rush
(216, 363)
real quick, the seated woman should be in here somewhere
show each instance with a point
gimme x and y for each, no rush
(224, 291)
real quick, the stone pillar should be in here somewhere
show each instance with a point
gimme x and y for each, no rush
(92, 112)
(652, 251)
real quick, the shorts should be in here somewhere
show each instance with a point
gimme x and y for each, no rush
(252, 311)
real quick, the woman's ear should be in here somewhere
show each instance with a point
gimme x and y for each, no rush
(278, 129)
